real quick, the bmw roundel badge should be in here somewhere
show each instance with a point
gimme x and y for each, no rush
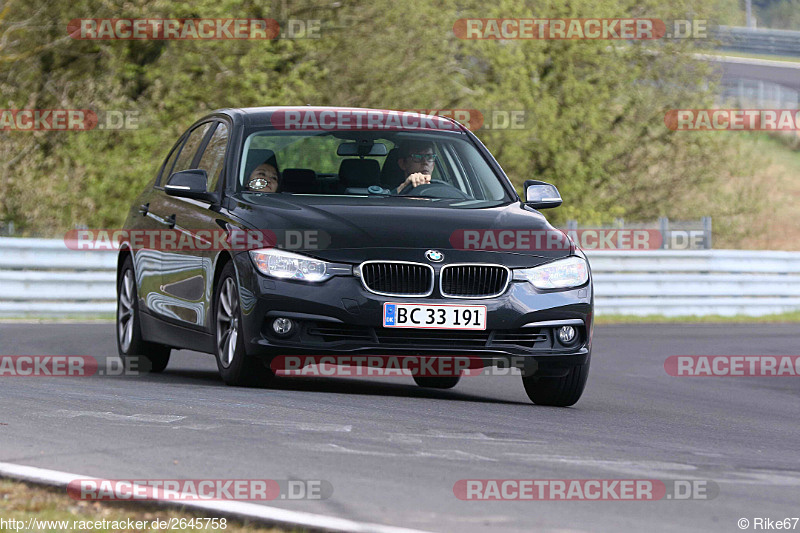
(434, 255)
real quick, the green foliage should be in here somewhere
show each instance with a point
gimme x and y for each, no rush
(777, 14)
(594, 110)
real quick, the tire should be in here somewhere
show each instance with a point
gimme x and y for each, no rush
(437, 382)
(558, 392)
(235, 367)
(130, 344)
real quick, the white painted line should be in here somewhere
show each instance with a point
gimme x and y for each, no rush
(114, 417)
(279, 426)
(300, 426)
(449, 454)
(243, 510)
(748, 61)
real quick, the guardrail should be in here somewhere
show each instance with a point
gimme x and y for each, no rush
(40, 277)
(703, 282)
(757, 41)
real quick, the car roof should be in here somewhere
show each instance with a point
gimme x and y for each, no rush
(263, 116)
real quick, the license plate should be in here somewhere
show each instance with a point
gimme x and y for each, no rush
(430, 316)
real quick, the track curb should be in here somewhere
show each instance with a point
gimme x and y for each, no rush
(270, 516)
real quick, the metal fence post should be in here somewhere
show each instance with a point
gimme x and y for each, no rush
(619, 223)
(740, 97)
(572, 230)
(663, 224)
(707, 231)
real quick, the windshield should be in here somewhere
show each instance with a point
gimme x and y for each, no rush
(368, 163)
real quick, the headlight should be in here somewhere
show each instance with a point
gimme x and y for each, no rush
(286, 265)
(561, 274)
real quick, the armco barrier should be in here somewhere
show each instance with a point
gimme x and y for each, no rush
(704, 282)
(40, 277)
(757, 40)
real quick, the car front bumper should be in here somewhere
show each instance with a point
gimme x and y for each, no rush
(341, 316)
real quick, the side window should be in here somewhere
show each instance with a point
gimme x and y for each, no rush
(214, 155)
(166, 169)
(190, 147)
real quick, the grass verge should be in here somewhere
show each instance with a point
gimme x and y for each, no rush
(22, 501)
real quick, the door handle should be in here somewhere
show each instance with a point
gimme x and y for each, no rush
(144, 208)
(170, 221)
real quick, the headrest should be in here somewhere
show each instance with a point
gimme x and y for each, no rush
(391, 174)
(300, 180)
(359, 172)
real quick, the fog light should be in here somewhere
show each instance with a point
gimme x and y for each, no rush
(566, 334)
(282, 327)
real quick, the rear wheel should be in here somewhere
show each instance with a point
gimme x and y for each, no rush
(437, 382)
(130, 343)
(235, 366)
(557, 391)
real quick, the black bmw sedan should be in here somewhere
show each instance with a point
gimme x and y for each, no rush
(275, 231)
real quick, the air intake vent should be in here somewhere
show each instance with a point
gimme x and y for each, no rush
(473, 281)
(395, 278)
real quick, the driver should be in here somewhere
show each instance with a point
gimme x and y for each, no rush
(416, 159)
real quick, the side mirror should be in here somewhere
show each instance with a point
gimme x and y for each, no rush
(189, 184)
(541, 195)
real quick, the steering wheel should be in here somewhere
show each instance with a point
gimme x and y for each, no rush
(435, 186)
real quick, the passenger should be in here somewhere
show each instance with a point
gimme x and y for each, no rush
(416, 160)
(264, 178)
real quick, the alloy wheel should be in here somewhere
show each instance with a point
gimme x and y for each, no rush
(126, 310)
(227, 322)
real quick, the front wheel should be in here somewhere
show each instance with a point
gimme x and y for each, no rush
(559, 391)
(235, 366)
(130, 343)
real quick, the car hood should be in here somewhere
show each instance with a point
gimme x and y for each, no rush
(355, 229)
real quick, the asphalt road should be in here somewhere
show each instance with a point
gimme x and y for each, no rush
(393, 451)
(780, 72)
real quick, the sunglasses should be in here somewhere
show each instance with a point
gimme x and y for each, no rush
(419, 158)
